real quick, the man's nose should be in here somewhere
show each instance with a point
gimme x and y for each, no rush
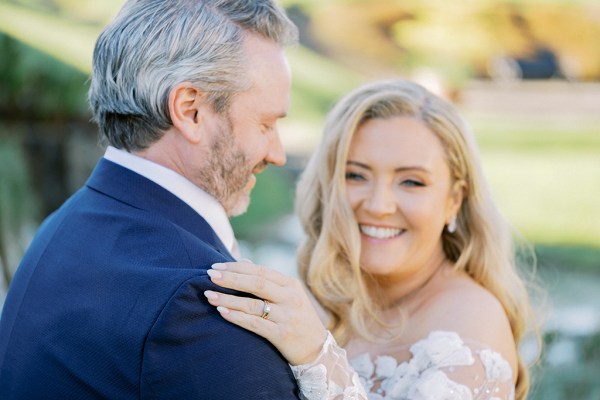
(276, 154)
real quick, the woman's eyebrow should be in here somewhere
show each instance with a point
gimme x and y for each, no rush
(399, 169)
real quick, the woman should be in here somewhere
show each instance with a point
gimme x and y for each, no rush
(405, 252)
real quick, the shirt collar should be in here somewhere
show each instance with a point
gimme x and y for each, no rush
(204, 204)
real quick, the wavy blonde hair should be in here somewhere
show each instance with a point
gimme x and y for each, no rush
(329, 257)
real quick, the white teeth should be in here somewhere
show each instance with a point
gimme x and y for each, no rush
(379, 233)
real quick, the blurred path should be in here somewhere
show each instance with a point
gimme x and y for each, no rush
(552, 99)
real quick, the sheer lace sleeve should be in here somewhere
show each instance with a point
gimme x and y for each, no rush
(442, 367)
(330, 376)
(489, 377)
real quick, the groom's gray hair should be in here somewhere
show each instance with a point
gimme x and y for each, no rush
(152, 45)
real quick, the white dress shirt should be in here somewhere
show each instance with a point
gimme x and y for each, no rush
(203, 203)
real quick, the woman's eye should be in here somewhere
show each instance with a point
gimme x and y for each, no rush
(412, 183)
(353, 176)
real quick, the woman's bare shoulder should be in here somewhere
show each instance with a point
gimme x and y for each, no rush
(463, 306)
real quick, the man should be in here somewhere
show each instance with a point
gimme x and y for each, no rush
(108, 301)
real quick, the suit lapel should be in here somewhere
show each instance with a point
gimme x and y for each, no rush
(129, 187)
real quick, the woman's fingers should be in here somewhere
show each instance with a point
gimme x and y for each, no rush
(257, 285)
(251, 269)
(260, 326)
(246, 305)
(246, 313)
(292, 324)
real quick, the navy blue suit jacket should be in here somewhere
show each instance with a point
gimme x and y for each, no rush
(108, 304)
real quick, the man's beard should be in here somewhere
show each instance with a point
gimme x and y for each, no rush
(226, 172)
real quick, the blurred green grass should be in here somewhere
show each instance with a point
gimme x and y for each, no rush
(545, 178)
(530, 135)
(550, 197)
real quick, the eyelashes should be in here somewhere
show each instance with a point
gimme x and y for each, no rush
(354, 176)
(412, 183)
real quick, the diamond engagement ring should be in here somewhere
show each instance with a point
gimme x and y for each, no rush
(266, 310)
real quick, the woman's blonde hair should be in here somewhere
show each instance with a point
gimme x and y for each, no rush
(329, 257)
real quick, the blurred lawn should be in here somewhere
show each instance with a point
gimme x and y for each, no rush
(549, 196)
(545, 177)
(545, 180)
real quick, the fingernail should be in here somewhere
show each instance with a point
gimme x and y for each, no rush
(214, 274)
(223, 310)
(219, 266)
(210, 295)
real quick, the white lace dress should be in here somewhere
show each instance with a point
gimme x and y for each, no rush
(442, 367)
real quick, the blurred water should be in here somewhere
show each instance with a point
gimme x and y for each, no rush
(575, 300)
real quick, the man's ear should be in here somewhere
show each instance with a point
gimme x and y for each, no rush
(185, 101)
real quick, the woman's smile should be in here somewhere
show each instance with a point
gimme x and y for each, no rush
(379, 232)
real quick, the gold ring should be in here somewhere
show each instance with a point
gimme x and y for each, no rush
(266, 310)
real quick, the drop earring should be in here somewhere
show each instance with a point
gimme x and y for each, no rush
(452, 224)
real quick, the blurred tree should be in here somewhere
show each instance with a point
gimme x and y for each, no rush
(360, 34)
(35, 86)
(41, 108)
(16, 206)
(66, 40)
(456, 39)
(82, 11)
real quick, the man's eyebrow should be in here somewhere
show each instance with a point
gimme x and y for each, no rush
(274, 116)
(399, 169)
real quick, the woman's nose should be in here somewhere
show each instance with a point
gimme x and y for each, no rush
(380, 200)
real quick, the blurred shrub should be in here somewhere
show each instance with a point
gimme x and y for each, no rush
(35, 86)
(17, 206)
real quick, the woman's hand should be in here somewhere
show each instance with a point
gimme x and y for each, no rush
(292, 323)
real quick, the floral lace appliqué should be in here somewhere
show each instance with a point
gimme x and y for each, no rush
(329, 376)
(425, 375)
(442, 367)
